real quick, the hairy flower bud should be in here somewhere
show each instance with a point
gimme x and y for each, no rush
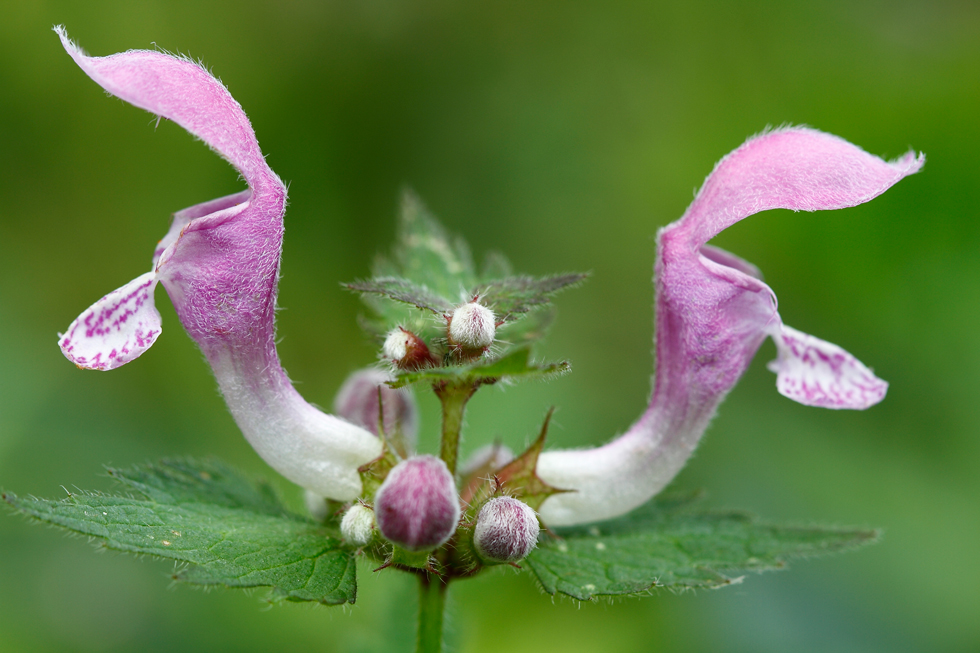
(472, 327)
(417, 506)
(357, 525)
(506, 530)
(406, 350)
(357, 402)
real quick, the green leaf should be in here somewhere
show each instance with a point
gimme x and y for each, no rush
(512, 296)
(669, 544)
(516, 365)
(228, 530)
(495, 266)
(402, 290)
(426, 254)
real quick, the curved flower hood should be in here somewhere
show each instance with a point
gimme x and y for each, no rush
(713, 312)
(220, 265)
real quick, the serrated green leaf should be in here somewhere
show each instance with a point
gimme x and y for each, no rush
(428, 256)
(230, 531)
(668, 544)
(512, 296)
(402, 290)
(496, 266)
(179, 481)
(515, 365)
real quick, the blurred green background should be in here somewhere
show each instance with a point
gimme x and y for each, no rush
(565, 134)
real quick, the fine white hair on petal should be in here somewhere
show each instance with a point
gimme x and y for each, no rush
(317, 451)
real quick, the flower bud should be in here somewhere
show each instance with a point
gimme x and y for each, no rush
(417, 506)
(471, 327)
(357, 525)
(506, 530)
(357, 402)
(406, 350)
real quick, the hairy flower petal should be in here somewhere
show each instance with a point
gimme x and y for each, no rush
(713, 312)
(116, 329)
(818, 373)
(220, 265)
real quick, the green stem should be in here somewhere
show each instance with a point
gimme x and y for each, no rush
(453, 400)
(432, 607)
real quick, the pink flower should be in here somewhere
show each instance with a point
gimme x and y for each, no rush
(714, 311)
(220, 265)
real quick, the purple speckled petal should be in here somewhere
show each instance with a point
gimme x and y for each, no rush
(713, 312)
(220, 265)
(116, 329)
(818, 373)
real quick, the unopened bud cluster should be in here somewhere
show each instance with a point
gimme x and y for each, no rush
(417, 506)
(357, 402)
(506, 530)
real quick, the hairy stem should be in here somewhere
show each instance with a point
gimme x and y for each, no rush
(453, 398)
(432, 607)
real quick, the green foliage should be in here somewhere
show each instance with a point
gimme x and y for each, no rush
(511, 296)
(670, 544)
(514, 366)
(229, 530)
(429, 273)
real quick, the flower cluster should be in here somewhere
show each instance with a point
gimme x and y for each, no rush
(219, 263)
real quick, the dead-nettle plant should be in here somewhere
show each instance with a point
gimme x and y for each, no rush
(581, 521)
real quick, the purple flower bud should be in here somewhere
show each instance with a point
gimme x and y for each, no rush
(357, 402)
(417, 506)
(506, 530)
(472, 327)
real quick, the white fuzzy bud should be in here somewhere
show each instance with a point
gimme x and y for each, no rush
(406, 350)
(357, 525)
(506, 530)
(396, 345)
(472, 327)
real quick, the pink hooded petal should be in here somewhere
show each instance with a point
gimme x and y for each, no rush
(182, 91)
(116, 329)
(818, 373)
(182, 218)
(713, 312)
(220, 265)
(794, 168)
